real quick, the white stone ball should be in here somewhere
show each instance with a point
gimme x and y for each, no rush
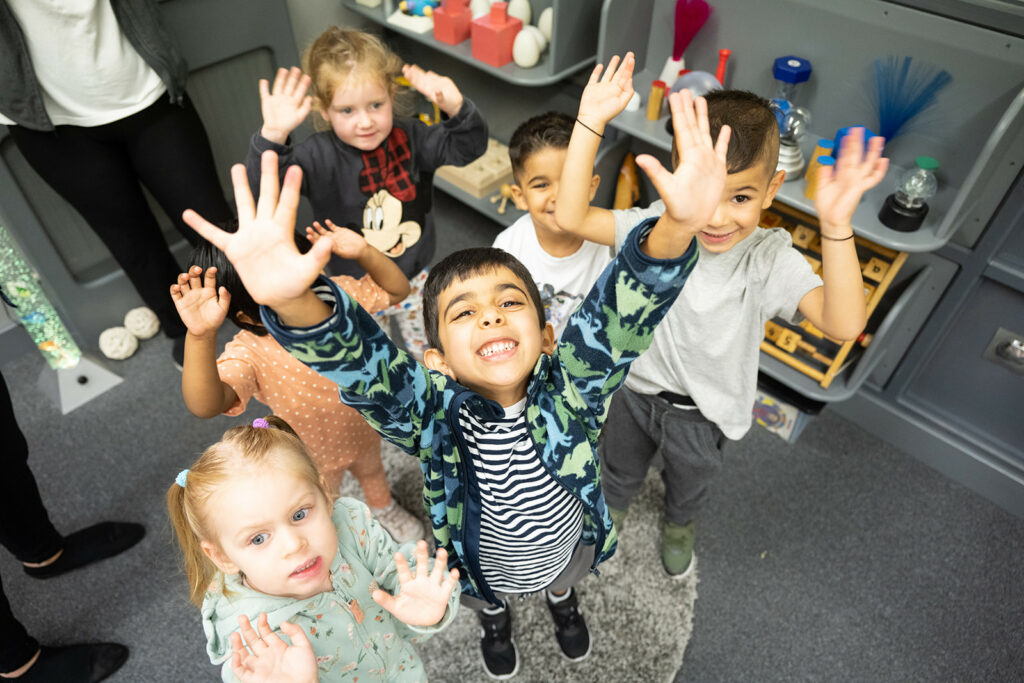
(478, 8)
(117, 343)
(525, 52)
(142, 322)
(538, 35)
(544, 22)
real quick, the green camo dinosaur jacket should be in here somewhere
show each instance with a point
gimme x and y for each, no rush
(567, 398)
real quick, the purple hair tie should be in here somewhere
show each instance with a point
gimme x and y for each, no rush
(260, 423)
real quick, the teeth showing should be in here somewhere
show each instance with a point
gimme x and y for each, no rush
(497, 347)
(305, 566)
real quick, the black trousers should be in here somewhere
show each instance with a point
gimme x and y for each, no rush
(98, 171)
(25, 529)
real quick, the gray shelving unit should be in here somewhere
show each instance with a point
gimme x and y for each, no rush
(573, 40)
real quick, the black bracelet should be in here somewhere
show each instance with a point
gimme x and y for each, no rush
(837, 239)
(589, 128)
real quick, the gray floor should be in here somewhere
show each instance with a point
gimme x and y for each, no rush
(837, 559)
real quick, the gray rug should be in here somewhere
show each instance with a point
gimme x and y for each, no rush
(639, 619)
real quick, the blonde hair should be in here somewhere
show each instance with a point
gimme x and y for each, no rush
(341, 55)
(239, 448)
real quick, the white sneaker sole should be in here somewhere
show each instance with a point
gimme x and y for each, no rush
(687, 573)
(502, 677)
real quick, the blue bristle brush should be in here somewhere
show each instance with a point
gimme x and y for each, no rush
(904, 90)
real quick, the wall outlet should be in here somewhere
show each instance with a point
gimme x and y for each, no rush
(1006, 349)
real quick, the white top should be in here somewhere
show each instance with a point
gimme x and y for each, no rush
(89, 73)
(707, 346)
(563, 281)
(529, 524)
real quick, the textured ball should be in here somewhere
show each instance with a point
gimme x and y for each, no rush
(142, 322)
(118, 343)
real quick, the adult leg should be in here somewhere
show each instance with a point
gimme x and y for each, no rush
(93, 172)
(626, 447)
(170, 152)
(17, 647)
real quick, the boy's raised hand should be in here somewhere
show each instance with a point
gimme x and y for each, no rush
(693, 191)
(422, 598)
(263, 249)
(285, 105)
(201, 305)
(439, 89)
(344, 242)
(606, 95)
(841, 187)
(268, 659)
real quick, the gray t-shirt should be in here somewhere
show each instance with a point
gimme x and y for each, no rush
(707, 347)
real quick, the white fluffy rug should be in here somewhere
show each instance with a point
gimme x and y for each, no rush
(640, 620)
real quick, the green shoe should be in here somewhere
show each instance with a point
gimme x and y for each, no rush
(677, 549)
(618, 517)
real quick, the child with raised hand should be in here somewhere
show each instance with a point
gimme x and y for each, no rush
(262, 541)
(370, 171)
(697, 381)
(254, 365)
(504, 422)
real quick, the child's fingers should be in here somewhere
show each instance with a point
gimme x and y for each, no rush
(385, 600)
(269, 187)
(279, 80)
(877, 173)
(450, 581)
(700, 106)
(267, 634)
(210, 279)
(320, 254)
(595, 75)
(264, 87)
(722, 144)
(330, 225)
(245, 205)
(402, 568)
(252, 639)
(238, 654)
(194, 281)
(288, 200)
(609, 73)
(295, 634)
(658, 174)
(440, 566)
(207, 230)
(421, 559)
(681, 106)
(224, 298)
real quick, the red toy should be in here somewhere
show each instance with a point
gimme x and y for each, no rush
(493, 35)
(451, 21)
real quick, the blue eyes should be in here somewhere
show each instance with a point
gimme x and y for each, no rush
(258, 539)
(300, 515)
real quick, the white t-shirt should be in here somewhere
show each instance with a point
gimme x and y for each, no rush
(89, 73)
(563, 281)
(707, 346)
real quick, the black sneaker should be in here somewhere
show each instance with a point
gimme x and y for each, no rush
(501, 658)
(178, 352)
(570, 628)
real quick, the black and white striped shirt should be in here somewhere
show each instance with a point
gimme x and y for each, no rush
(529, 523)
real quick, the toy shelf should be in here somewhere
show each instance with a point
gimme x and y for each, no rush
(977, 138)
(482, 204)
(573, 40)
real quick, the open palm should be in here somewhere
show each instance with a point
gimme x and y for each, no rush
(345, 243)
(263, 249)
(606, 95)
(285, 104)
(197, 301)
(422, 598)
(268, 659)
(840, 188)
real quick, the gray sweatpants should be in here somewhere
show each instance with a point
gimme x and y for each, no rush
(574, 572)
(641, 426)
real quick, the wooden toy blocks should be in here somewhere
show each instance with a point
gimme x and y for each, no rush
(493, 34)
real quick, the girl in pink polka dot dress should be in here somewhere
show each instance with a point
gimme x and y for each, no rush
(254, 365)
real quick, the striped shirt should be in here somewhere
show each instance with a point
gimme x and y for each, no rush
(529, 524)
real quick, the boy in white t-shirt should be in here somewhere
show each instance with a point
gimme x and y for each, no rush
(694, 387)
(564, 266)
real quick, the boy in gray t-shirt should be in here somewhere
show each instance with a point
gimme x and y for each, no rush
(695, 386)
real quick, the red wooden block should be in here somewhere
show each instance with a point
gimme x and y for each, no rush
(451, 21)
(493, 35)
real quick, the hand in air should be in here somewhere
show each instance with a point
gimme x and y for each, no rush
(268, 659)
(345, 243)
(607, 94)
(201, 305)
(263, 249)
(692, 192)
(439, 89)
(285, 105)
(841, 187)
(422, 598)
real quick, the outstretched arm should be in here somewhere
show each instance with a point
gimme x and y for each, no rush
(202, 308)
(263, 248)
(692, 192)
(351, 245)
(440, 90)
(421, 598)
(838, 307)
(604, 97)
(285, 105)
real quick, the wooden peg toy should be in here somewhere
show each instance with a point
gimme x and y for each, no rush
(655, 100)
(803, 236)
(875, 269)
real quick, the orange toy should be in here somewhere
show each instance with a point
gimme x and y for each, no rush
(492, 35)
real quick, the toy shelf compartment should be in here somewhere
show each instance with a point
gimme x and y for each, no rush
(574, 30)
(976, 130)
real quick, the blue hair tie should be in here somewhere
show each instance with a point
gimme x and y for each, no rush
(180, 479)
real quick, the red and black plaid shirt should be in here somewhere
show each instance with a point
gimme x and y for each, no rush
(385, 167)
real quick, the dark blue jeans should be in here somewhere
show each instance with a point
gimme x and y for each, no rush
(25, 529)
(641, 426)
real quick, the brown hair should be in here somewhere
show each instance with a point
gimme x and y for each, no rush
(240, 447)
(551, 129)
(339, 55)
